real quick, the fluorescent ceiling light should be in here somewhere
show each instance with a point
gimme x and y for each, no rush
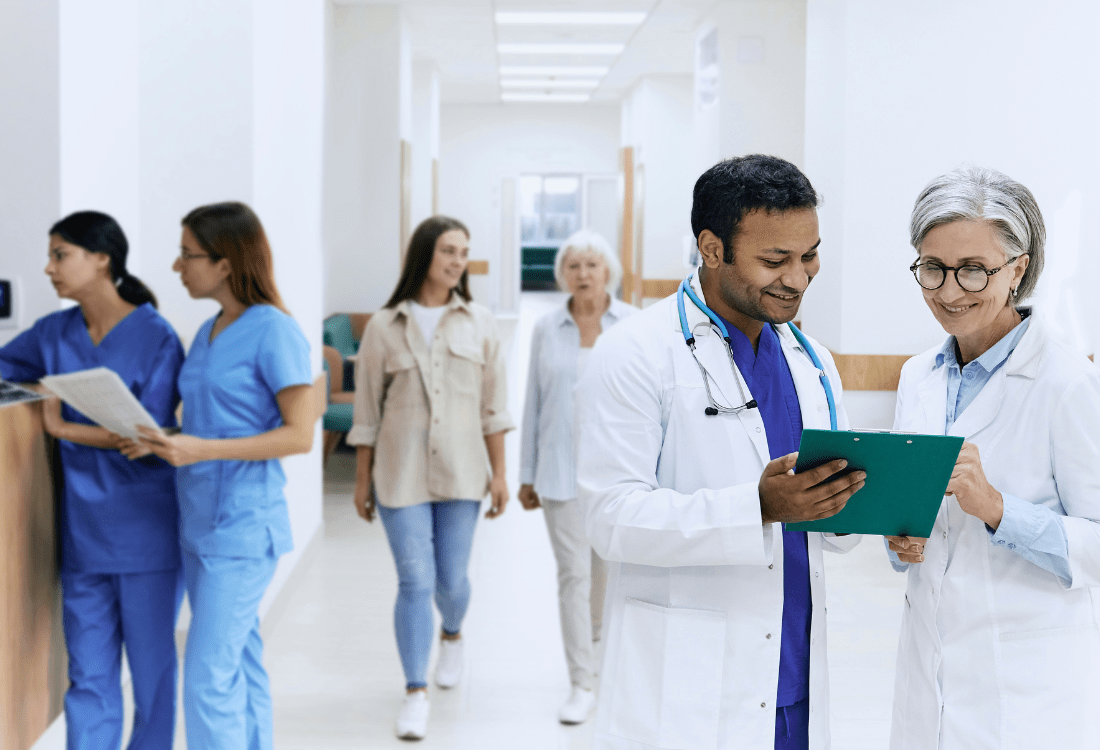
(560, 49)
(544, 83)
(517, 97)
(549, 70)
(566, 19)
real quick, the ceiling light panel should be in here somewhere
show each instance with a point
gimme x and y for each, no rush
(505, 18)
(561, 49)
(552, 70)
(548, 83)
(511, 96)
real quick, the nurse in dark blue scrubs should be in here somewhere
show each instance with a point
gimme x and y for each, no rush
(119, 522)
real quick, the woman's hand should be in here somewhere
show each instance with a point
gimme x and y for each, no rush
(528, 498)
(975, 494)
(178, 450)
(498, 496)
(133, 449)
(364, 501)
(909, 549)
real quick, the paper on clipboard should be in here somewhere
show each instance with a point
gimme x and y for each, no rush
(101, 396)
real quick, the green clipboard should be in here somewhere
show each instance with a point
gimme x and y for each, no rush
(907, 475)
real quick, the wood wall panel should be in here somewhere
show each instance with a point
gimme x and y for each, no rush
(626, 236)
(478, 267)
(870, 372)
(32, 652)
(659, 288)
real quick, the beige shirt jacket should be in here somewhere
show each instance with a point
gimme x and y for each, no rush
(426, 407)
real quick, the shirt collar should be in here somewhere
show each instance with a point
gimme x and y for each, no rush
(566, 318)
(993, 357)
(454, 303)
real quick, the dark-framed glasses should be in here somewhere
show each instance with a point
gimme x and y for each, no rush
(972, 278)
(186, 256)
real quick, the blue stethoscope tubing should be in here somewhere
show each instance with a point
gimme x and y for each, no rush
(685, 289)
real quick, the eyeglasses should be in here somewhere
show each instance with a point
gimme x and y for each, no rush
(972, 278)
(186, 256)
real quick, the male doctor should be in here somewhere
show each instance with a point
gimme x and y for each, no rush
(716, 631)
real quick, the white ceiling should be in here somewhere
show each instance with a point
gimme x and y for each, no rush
(461, 38)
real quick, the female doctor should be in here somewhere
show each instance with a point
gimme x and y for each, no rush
(247, 402)
(999, 642)
(119, 521)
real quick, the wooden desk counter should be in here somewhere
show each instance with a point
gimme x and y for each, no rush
(33, 665)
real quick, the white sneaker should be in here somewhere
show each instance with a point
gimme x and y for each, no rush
(449, 669)
(412, 722)
(578, 707)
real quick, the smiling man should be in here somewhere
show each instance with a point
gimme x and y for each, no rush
(689, 415)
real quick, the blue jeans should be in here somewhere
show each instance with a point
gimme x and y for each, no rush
(102, 614)
(431, 545)
(226, 694)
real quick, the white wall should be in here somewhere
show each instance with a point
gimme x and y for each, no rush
(100, 114)
(481, 144)
(425, 137)
(898, 94)
(762, 57)
(369, 111)
(657, 122)
(287, 134)
(30, 185)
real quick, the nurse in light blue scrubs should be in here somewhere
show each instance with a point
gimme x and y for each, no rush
(247, 402)
(119, 520)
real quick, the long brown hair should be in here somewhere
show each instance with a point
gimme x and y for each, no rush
(419, 258)
(232, 231)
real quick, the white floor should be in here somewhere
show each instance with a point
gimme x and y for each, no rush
(337, 681)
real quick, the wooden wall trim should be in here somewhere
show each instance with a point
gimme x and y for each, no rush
(478, 267)
(626, 243)
(870, 372)
(659, 288)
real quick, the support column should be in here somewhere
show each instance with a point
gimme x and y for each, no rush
(369, 113)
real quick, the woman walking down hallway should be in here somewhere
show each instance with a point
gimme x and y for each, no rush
(119, 516)
(560, 345)
(430, 417)
(247, 395)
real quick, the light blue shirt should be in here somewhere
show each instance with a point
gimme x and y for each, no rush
(546, 439)
(229, 388)
(1034, 532)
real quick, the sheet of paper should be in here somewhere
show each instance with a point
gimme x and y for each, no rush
(10, 393)
(101, 396)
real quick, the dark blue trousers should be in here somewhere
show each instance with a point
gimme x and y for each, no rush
(792, 726)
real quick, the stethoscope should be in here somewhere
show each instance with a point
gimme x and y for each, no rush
(715, 408)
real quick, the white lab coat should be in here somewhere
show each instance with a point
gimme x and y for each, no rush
(1009, 653)
(695, 604)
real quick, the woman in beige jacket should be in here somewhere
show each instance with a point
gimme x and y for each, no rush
(430, 417)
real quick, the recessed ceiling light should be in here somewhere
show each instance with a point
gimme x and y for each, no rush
(560, 49)
(550, 70)
(548, 83)
(564, 19)
(517, 97)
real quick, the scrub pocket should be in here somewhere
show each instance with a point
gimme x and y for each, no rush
(1049, 688)
(668, 678)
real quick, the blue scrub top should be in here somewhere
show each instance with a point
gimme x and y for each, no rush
(237, 508)
(769, 379)
(117, 515)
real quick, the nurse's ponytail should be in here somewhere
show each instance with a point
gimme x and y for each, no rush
(98, 233)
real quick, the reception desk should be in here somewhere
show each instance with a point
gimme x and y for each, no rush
(32, 652)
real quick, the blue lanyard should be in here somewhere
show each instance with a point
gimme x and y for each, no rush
(685, 289)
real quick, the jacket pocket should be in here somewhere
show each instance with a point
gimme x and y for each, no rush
(1049, 688)
(465, 366)
(667, 687)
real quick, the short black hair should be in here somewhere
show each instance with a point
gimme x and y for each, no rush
(734, 187)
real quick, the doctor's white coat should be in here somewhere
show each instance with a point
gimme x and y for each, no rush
(995, 651)
(695, 604)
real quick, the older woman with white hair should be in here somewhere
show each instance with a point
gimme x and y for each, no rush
(560, 345)
(1000, 645)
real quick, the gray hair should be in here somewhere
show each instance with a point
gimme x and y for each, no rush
(587, 241)
(979, 194)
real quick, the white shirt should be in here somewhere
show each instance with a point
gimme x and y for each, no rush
(582, 359)
(547, 459)
(427, 318)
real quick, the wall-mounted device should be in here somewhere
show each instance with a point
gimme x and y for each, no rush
(9, 302)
